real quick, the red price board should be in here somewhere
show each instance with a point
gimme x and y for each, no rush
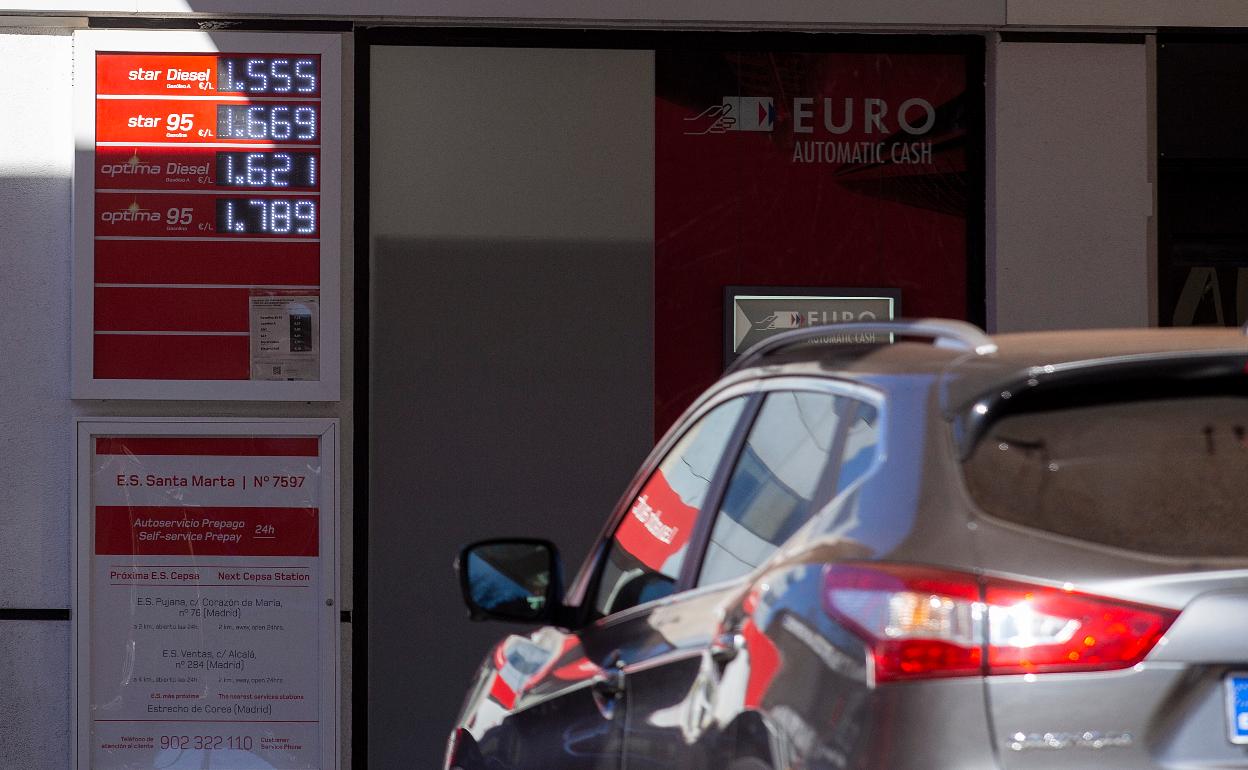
(209, 212)
(157, 74)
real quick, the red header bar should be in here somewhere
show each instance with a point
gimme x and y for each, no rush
(188, 122)
(153, 120)
(156, 74)
(209, 446)
(190, 74)
(194, 531)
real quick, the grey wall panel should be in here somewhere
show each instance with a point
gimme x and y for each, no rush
(34, 707)
(1071, 193)
(511, 360)
(1127, 13)
(512, 143)
(511, 396)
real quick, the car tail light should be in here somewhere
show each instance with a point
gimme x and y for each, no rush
(922, 623)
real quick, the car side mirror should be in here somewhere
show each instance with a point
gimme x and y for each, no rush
(515, 579)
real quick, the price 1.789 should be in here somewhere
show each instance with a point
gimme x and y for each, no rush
(266, 216)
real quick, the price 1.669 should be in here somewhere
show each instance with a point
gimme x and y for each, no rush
(276, 122)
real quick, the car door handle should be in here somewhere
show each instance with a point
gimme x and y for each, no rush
(726, 645)
(608, 688)
(611, 681)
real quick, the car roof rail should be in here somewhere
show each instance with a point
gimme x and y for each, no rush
(944, 333)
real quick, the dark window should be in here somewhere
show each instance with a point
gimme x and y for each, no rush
(646, 552)
(1166, 476)
(773, 487)
(1202, 249)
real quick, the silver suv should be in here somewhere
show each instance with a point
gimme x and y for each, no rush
(947, 551)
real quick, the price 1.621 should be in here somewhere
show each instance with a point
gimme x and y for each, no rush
(267, 169)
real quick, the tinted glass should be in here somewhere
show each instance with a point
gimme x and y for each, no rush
(861, 442)
(1166, 476)
(648, 549)
(772, 488)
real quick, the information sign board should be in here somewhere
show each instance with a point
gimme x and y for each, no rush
(752, 314)
(205, 594)
(207, 175)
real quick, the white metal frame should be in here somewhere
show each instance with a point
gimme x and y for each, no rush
(83, 538)
(86, 44)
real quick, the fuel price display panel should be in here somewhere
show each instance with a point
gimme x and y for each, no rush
(212, 225)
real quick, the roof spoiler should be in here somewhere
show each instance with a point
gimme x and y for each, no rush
(1075, 383)
(958, 335)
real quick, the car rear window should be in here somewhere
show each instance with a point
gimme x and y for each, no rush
(1162, 476)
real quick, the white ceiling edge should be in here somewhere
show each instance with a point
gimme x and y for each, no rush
(1140, 15)
(630, 12)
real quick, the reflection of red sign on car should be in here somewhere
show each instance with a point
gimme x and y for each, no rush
(658, 525)
(764, 655)
(520, 663)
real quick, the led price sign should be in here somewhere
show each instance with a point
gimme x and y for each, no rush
(276, 122)
(209, 176)
(276, 170)
(269, 75)
(268, 216)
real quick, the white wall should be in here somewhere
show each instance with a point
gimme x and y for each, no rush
(36, 414)
(1069, 196)
(35, 169)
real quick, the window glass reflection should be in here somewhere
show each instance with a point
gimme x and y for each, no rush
(773, 486)
(649, 546)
